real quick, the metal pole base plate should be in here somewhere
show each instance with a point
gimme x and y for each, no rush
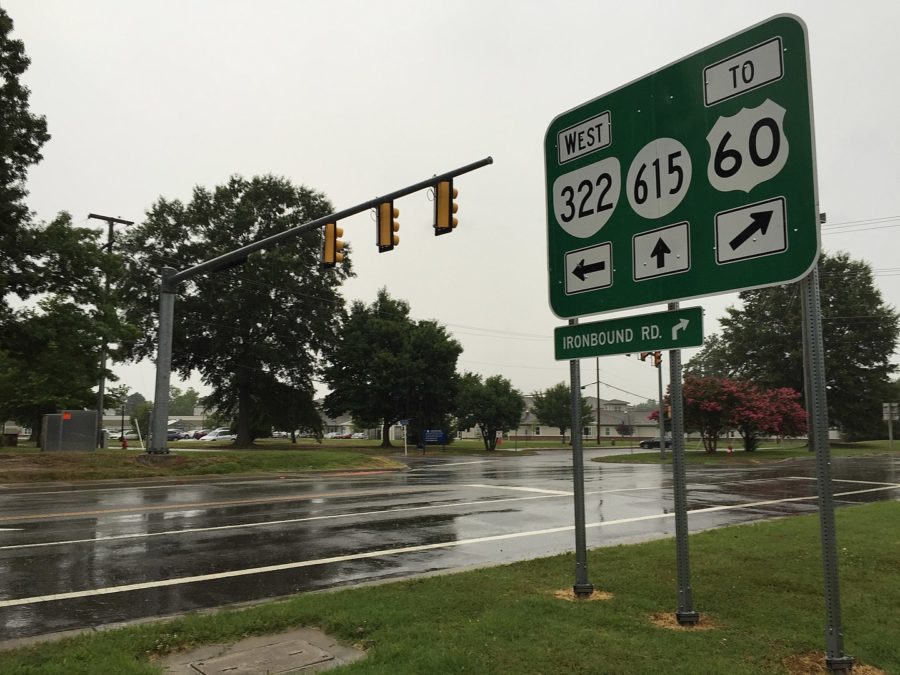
(687, 618)
(583, 590)
(841, 664)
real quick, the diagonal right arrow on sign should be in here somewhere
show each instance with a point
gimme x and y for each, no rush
(759, 222)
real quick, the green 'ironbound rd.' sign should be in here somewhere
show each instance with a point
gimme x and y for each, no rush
(646, 333)
(694, 180)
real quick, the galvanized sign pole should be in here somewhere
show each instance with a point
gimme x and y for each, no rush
(582, 587)
(817, 406)
(685, 613)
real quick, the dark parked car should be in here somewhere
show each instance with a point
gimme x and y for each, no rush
(654, 443)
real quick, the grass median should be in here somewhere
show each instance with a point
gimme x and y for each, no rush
(694, 453)
(757, 587)
(29, 465)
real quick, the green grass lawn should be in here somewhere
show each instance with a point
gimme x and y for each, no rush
(757, 587)
(29, 465)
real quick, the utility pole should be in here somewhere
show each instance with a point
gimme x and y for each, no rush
(110, 222)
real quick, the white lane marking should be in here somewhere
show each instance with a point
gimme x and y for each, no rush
(844, 480)
(351, 514)
(136, 486)
(441, 466)
(10, 529)
(267, 523)
(392, 551)
(521, 489)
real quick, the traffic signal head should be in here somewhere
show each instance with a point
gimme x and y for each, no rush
(644, 355)
(445, 207)
(331, 250)
(386, 226)
(657, 358)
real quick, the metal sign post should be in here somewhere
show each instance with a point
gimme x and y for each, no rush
(817, 407)
(582, 587)
(685, 614)
(889, 413)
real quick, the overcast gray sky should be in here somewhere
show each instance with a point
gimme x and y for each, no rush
(148, 99)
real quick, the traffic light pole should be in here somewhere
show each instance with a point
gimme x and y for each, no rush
(170, 278)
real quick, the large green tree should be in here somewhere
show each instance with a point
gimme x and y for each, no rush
(493, 405)
(22, 134)
(48, 362)
(182, 402)
(553, 407)
(387, 367)
(52, 347)
(761, 342)
(250, 329)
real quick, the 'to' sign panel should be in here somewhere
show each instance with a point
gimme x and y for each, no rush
(694, 180)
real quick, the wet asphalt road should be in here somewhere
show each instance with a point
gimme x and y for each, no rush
(85, 555)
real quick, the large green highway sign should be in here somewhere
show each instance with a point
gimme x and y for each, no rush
(650, 332)
(694, 180)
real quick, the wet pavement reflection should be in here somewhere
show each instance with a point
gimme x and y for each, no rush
(73, 557)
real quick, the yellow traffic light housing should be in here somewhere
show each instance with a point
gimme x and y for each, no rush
(333, 246)
(644, 355)
(386, 226)
(445, 207)
(657, 359)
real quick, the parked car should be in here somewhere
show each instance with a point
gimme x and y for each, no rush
(280, 434)
(358, 434)
(331, 434)
(654, 443)
(200, 433)
(173, 434)
(219, 435)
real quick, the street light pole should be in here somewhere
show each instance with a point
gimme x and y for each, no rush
(110, 222)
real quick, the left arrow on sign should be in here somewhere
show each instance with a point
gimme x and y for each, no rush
(581, 270)
(759, 222)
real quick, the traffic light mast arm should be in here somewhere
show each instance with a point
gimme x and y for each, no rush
(169, 280)
(238, 255)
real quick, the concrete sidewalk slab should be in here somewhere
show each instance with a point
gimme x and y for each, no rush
(302, 650)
